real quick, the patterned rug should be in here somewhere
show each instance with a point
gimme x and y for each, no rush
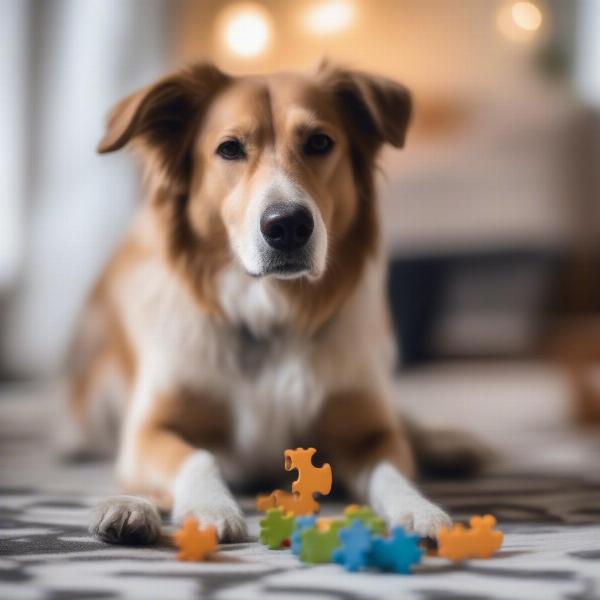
(551, 521)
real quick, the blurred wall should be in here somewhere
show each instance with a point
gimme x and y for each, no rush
(437, 45)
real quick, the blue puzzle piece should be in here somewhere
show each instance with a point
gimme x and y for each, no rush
(356, 540)
(302, 523)
(398, 553)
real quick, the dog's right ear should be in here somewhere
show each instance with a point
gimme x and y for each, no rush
(377, 107)
(163, 119)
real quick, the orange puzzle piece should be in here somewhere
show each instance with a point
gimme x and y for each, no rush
(326, 523)
(480, 541)
(195, 543)
(296, 503)
(311, 480)
(265, 501)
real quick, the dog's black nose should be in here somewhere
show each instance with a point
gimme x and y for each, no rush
(286, 226)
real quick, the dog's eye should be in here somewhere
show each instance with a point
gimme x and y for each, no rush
(318, 143)
(231, 150)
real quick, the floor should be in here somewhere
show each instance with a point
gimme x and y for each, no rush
(544, 490)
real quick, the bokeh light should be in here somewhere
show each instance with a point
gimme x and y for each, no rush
(520, 21)
(246, 29)
(526, 15)
(330, 17)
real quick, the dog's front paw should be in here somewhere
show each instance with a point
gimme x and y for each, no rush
(125, 520)
(226, 517)
(416, 514)
(200, 492)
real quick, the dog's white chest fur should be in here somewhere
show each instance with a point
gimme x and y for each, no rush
(275, 387)
(272, 379)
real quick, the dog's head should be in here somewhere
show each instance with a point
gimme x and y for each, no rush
(270, 165)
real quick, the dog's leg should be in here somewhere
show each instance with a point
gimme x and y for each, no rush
(447, 452)
(157, 458)
(374, 459)
(98, 376)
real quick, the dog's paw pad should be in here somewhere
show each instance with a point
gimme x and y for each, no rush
(126, 520)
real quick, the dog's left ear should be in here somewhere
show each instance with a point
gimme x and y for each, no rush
(379, 107)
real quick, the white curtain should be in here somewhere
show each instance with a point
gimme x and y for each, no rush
(67, 206)
(14, 41)
(588, 51)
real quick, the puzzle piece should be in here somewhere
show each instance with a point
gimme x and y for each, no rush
(284, 500)
(276, 528)
(311, 480)
(318, 546)
(325, 523)
(302, 523)
(296, 503)
(193, 542)
(356, 541)
(398, 553)
(367, 517)
(265, 502)
(480, 541)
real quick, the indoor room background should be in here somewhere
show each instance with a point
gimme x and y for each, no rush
(490, 214)
(491, 225)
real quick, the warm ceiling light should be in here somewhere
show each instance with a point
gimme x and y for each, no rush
(246, 29)
(330, 17)
(520, 21)
(526, 15)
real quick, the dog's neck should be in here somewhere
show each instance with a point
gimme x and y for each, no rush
(255, 307)
(221, 287)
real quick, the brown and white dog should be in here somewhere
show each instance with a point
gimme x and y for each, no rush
(245, 311)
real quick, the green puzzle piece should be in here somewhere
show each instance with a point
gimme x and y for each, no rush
(275, 528)
(368, 518)
(318, 546)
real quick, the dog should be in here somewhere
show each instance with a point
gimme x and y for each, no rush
(245, 310)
